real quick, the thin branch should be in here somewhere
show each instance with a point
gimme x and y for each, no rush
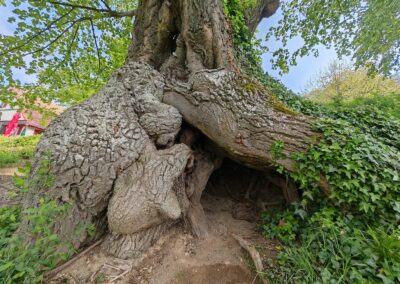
(108, 11)
(95, 43)
(50, 43)
(69, 52)
(79, 6)
(74, 36)
(58, 37)
(106, 4)
(48, 27)
(76, 76)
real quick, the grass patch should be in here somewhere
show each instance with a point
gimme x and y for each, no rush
(15, 150)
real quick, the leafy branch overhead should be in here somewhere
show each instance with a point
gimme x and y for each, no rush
(78, 42)
(369, 31)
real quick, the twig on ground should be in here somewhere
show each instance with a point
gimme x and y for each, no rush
(60, 268)
(94, 274)
(112, 266)
(119, 276)
(255, 278)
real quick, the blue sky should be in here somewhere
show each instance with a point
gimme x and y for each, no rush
(306, 68)
(296, 79)
(7, 29)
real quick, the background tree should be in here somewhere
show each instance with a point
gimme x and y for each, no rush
(339, 81)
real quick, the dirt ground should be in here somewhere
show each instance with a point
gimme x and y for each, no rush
(178, 258)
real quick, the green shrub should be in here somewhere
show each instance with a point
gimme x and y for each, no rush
(22, 259)
(389, 104)
(7, 158)
(9, 221)
(22, 262)
(280, 225)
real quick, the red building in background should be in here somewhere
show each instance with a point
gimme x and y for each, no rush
(14, 123)
(27, 122)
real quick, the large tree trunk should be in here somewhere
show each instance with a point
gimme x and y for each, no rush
(123, 157)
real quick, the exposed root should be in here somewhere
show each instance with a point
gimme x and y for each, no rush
(64, 266)
(254, 254)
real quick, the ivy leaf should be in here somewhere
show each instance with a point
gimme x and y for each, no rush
(301, 213)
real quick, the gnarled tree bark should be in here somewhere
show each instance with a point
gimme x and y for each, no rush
(261, 9)
(123, 157)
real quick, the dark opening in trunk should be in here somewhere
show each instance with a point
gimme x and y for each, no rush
(250, 191)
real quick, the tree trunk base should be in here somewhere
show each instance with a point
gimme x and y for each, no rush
(133, 245)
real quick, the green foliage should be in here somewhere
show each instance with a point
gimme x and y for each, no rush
(280, 225)
(277, 149)
(24, 260)
(72, 46)
(369, 30)
(9, 217)
(248, 49)
(346, 226)
(332, 251)
(14, 150)
(341, 83)
(388, 105)
(362, 171)
(371, 120)
(24, 263)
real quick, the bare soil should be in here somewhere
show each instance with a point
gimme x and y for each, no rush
(178, 258)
